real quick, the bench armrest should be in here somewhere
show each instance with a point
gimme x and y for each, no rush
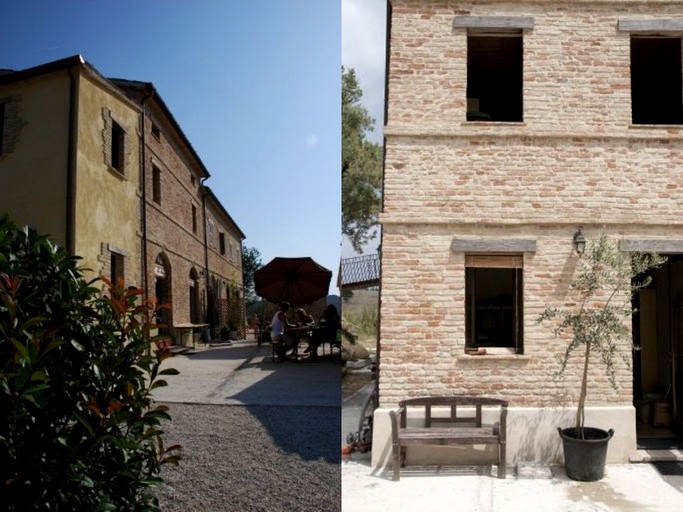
(395, 417)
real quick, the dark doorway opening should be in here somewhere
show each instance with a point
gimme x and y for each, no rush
(658, 364)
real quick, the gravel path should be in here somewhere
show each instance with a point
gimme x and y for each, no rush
(253, 458)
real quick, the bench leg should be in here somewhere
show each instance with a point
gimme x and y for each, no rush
(501, 460)
(396, 459)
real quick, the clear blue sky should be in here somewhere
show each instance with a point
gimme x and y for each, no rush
(254, 84)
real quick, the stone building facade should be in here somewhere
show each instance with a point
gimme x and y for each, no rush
(510, 127)
(108, 143)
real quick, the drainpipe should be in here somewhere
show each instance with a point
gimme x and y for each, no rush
(143, 167)
(70, 238)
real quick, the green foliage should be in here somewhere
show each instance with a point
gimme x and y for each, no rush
(361, 166)
(78, 429)
(251, 262)
(361, 325)
(605, 282)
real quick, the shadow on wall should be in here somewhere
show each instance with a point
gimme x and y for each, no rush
(535, 435)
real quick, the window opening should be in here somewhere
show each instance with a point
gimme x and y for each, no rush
(116, 270)
(221, 238)
(194, 219)
(493, 298)
(2, 125)
(494, 76)
(656, 83)
(156, 131)
(117, 141)
(156, 184)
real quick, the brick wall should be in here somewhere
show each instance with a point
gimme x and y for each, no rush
(169, 224)
(575, 160)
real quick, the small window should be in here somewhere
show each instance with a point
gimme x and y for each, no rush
(210, 228)
(494, 76)
(493, 297)
(117, 147)
(156, 184)
(116, 270)
(2, 125)
(193, 181)
(156, 131)
(221, 240)
(656, 82)
(194, 219)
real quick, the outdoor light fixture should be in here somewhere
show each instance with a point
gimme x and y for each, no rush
(579, 242)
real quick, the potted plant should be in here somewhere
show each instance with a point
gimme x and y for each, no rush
(233, 326)
(225, 333)
(604, 284)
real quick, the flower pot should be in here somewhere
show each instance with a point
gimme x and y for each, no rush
(584, 459)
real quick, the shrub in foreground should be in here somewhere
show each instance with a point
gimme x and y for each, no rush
(78, 427)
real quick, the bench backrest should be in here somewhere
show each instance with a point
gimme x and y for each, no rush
(453, 402)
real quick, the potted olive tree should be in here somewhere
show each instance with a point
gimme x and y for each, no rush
(597, 325)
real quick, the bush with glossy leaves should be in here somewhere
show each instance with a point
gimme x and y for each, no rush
(78, 427)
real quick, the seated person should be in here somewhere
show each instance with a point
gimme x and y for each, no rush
(329, 323)
(303, 318)
(278, 326)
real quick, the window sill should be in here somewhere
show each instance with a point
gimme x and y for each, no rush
(493, 123)
(643, 126)
(494, 357)
(117, 173)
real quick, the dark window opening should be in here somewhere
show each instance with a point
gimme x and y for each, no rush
(656, 84)
(156, 184)
(494, 77)
(156, 131)
(2, 125)
(194, 297)
(116, 270)
(494, 308)
(221, 239)
(194, 219)
(117, 141)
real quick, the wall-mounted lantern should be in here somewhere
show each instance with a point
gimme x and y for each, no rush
(579, 242)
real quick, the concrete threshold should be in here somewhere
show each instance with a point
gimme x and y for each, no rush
(671, 455)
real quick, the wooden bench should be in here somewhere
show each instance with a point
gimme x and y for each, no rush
(458, 429)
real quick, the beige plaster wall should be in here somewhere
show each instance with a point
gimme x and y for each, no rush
(33, 176)
(107, 203)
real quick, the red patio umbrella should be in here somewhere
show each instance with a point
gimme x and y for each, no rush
(299, 281)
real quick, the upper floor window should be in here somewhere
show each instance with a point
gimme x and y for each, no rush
(2, 125)
(656, 81)
(194, 219)
(117, 147)
(494, 76)
(156, 184)
(221, 239)
(210, 233)
(156, 131)
(494, 66)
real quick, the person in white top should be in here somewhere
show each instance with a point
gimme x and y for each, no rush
(277, 331)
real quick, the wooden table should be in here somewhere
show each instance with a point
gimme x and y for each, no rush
(188, 327)
(298, 333)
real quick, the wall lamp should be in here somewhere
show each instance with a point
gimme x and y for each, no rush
(579, 242)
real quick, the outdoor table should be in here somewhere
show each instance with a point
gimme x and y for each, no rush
(188, 327)
(298, 333)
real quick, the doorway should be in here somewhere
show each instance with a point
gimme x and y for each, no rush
(162, 291)
(658, 365)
